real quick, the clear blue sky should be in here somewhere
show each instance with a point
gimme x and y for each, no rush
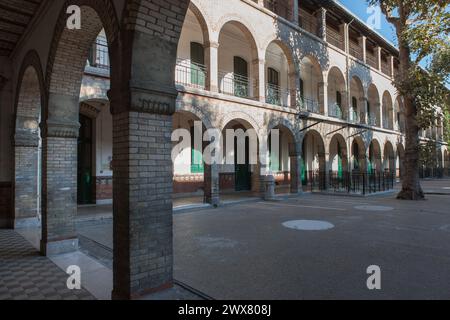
(359, 8)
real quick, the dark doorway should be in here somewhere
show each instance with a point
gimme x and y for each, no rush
(85, 184)
(243, 175)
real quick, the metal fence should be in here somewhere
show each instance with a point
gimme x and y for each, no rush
(348, 182)
(439, 173)
(190, 74)
(234, 84)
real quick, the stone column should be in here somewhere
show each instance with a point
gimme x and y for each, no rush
(296, 171)
(26, 153)
(59, 176)
(212, 66)
(211, 178)
(295, 15)
(259, 68)
(391, 66)
(379, 106)
(323, 98)
(365, 117)
(344, 33)
(322, 21)
(362, 43)
(378, 56)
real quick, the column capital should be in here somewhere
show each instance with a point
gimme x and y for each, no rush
(212, 44)
(160, 101)
(62, 129)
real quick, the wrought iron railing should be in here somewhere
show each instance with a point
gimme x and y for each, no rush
(354, 182)
(280, 8)
(234, 84)
(354, 117)
(309, 105)
(277, 96)
(434, 172)
(372, 120)
(308, 22)
(335, 111)
(190, 74)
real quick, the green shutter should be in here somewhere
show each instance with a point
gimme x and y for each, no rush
(198, 74)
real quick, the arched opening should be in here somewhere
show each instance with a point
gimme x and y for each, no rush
(237, 52)
(400, 115)
(191, 175)
(357, 104)
(400, 160)
(389, 158)
(373, 106)
(446, 163)
(239, 176)
(192, 55)
(283, 161)
(359, 160)
(337, 97)
(375, 163)
(388, 112)
(338, 162)
(311, 85)
(27, 149)
(314, 162)
(280, 75)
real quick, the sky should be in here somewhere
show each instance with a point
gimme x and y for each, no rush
(360, 9)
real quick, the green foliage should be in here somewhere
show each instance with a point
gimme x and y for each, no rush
(427, 154)
(423, 28)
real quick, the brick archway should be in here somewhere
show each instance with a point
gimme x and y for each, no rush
(30, 98)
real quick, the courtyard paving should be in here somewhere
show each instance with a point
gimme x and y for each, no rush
(245, 251)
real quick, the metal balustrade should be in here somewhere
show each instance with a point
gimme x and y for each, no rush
(190, 74)
(234, 84)
(354, 182)
(309, 105)
(277, 96)
(335, 111)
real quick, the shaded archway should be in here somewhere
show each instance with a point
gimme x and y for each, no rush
(30, 100)
(237, 70)
(389, 162)
(193, 53)
(311, 85)
(400, 160)
(375, 160)
(399, 114)
(357, 103)
(388, 111)
(359, 160)
(283, 163)
(337, 97)
(241, 170)
(280, 75)
(314, 160)
(373, 106)
(338, 162)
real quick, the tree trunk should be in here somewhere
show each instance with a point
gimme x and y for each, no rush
(411, 189)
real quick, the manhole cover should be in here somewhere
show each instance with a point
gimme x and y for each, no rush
(374, 208)
(308, 225)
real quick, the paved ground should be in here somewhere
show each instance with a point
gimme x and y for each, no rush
(25, 275)
(244, 252)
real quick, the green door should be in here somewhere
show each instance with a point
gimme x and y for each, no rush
(340, 169)
(243, 176)
(198, 72)
(197, 165)
(84, 169)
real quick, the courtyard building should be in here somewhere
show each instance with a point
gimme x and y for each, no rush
(87, 115)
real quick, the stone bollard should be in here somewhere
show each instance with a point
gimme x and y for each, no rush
(269, 188)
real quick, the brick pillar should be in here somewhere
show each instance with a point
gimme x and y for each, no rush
(211, 178)
(212, 65)
(59, 179)
(362, 43)
(26, 153)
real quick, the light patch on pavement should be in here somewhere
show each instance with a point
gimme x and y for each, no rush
(217, 243)
(374, 208)
(308, 225)
(446, 188)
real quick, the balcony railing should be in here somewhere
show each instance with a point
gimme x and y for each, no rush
(355, 51)
(335, 39)
(234, 84)
(372, 120)
(99, 54)
(309, 105)
(190, 74)
(372, 61)
(335, 111)
(386, 69)
(308, 22)
(354, 117)
(278, 7)
(277, 96)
